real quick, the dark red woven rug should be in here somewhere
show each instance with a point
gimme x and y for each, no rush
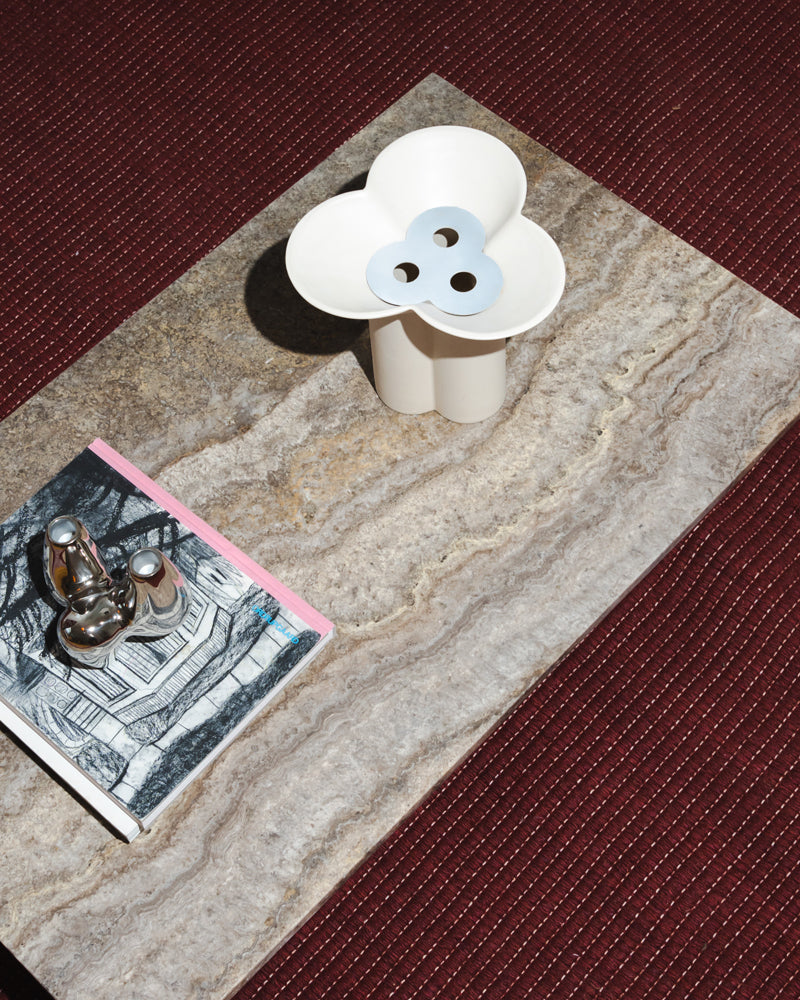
(630, 829)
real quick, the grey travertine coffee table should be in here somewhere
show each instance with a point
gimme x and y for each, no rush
(458, 561)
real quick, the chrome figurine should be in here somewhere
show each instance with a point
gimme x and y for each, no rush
(151, 599)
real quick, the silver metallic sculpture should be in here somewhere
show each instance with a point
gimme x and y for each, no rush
(152, 598)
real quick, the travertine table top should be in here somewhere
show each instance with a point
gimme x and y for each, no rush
(458, 561)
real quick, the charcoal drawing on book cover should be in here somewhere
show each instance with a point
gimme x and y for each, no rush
(140, 726)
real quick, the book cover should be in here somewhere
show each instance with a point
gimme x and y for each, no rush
(129, 737)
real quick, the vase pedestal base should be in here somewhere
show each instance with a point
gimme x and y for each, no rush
(419, 368)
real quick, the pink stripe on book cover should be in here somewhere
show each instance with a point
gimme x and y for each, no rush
(217, 541)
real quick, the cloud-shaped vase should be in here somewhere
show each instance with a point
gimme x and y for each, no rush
(425, 357)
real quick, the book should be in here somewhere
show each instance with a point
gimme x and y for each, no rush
(128, 738)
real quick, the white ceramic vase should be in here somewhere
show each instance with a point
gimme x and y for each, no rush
(426, 358)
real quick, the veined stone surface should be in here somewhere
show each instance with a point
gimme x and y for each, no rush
(458, 561)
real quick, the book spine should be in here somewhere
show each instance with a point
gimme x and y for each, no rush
(257, 574)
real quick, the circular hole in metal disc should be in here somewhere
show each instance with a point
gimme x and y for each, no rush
(463, 281)
(406, 272)
(445, 237)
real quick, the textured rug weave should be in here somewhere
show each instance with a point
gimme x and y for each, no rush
(630, 830)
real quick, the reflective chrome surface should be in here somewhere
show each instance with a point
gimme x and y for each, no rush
(150, 600)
